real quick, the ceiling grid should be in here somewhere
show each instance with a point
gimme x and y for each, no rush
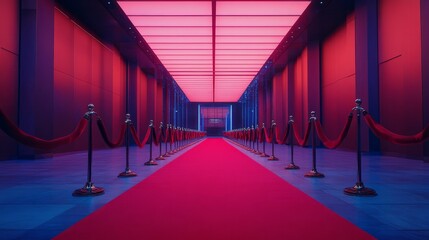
(213, 49)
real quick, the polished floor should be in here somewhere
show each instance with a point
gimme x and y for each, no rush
(36, 199)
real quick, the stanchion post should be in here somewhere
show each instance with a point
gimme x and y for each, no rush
(127, 172)
(89, 189)
(249, 139)
(176, 139)
(291, 165)
(263, 154)
(167, 130)
(151, 161)
(161, 129)
(171, 141)
(313, 173)
(359, 189)
(257, 140)
(252, 138)
(273, 139)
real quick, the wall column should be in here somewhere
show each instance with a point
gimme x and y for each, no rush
(367, 86)
(424, 16)
(36, 66)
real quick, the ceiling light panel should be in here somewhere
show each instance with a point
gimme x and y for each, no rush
(213, 68)
(247, 32)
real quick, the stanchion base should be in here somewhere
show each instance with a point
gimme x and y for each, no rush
(166, 155)
(160, 158)
(291, 166)
(127, 173)
(151, 163)
(88, 190)
(314, 174)
(360, 190)
(273, 158)
(264, 155)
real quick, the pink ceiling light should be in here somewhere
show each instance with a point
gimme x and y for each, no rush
(213, 68)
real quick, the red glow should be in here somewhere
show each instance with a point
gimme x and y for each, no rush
(180, 34)
(254, 21)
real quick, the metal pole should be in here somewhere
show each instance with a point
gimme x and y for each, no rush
(313, 173)
(127, 172)
(89, 189)
(263, 154)
(257, 139)
(167, 130)
(291, 165)
(161, 128)
(273, 139)
(151, 161)
(359, 189)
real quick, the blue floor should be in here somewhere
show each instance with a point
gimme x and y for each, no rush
(36, 199)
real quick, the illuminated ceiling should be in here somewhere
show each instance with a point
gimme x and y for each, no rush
(213, 49)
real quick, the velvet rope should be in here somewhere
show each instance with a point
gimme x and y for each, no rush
(283, 139)
(14, 132)
(261, 135)
(156, 137)
(333, 143)
(103, 133)
(392, 137)
(136, 138)
(268, 138)
(166, 134)
(172, 136)
(302, 141)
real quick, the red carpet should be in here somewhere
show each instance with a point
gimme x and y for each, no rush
(214, 192)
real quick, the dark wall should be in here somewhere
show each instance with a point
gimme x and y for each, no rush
(9, 72)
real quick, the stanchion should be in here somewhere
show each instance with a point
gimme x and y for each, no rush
(161, 134)
(291, 165)
(151, 162)
(313, 173)
(252, 138)
(257, 140)
(249, 140)
(127, 172)
(263, 154)
(172, 138)
(176, 139)
(359, 189)
(167, 136)
(89, 189)
(273, 139)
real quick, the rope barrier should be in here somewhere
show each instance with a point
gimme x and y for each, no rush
(302, 141)
(14, 132)
(134, 134)
(103, 133)
(384, 133)
(333, 143)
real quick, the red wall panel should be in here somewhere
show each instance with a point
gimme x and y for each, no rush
(400, 71)
(300, 92)
(85, 71)
(142, 103)
(338, 87)
(82, 60)
(278, 99)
